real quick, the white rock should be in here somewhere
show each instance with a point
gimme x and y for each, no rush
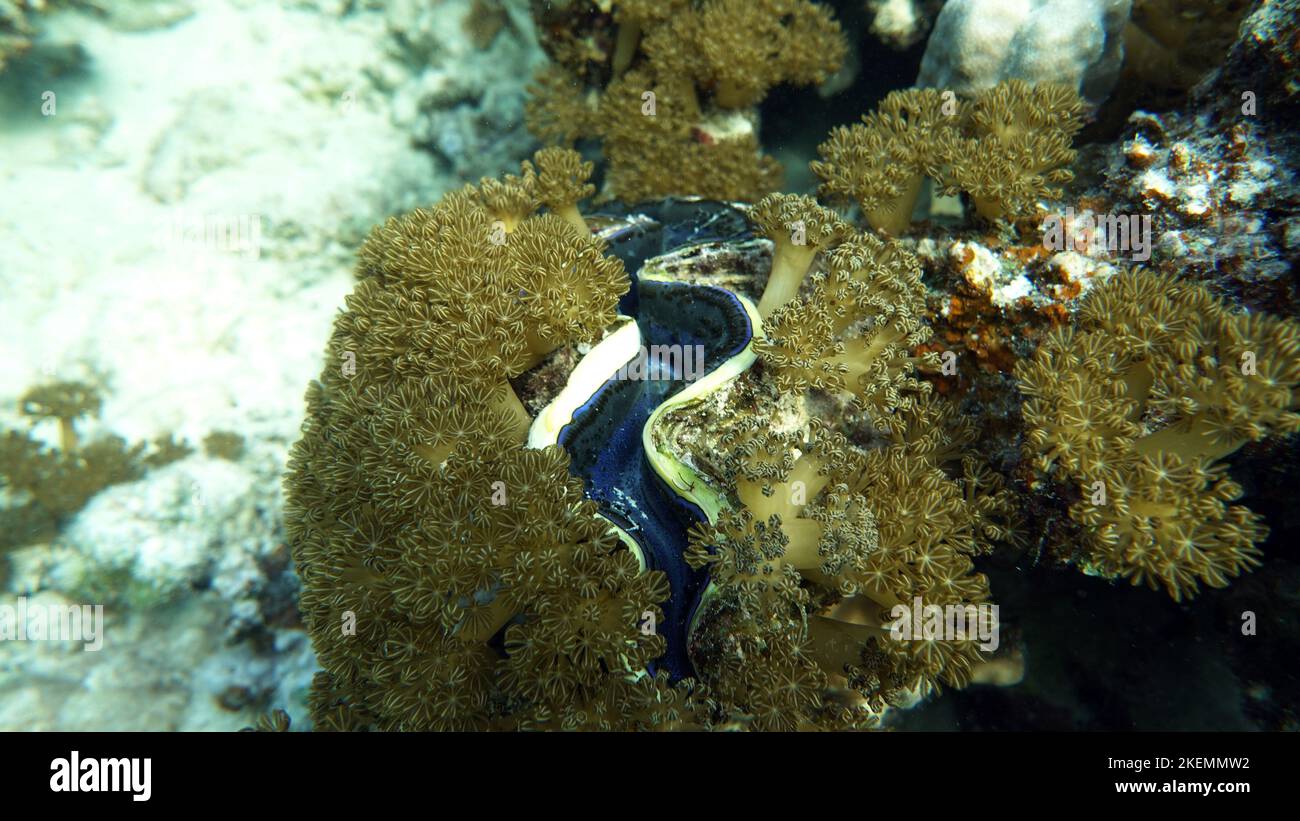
(978, 43)
(168, 533)
(160, 669)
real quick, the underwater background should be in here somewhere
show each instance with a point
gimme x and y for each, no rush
(1037, 338)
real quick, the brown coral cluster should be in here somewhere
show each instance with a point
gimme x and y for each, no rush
(1006, 148)
(881, 163)
(855, 330)
(451, 578)
(674, 109)
(799, 228)
(1014, 146)
(1132, 412)
(43, 486)
(749, 46)
(16, 31)
(496, 289)
(822, 542)
(823, 547)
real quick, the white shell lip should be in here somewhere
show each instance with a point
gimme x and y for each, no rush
(591, 372)
(594, 369)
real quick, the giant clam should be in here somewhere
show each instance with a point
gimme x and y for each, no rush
(681, 255)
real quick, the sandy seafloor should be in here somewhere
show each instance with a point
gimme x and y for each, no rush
(216, 114)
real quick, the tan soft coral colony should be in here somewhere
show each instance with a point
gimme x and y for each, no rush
(855, 329)
(1015, 147)
(798, 228)
(408, 564)
(820, 541)
(1005, 148)
(1136, 407)
(677, 115)
(881, 163)
(749, 46)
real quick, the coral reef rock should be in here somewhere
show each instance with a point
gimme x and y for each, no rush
(978, 43)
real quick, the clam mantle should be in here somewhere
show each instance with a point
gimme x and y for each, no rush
(606, 413)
